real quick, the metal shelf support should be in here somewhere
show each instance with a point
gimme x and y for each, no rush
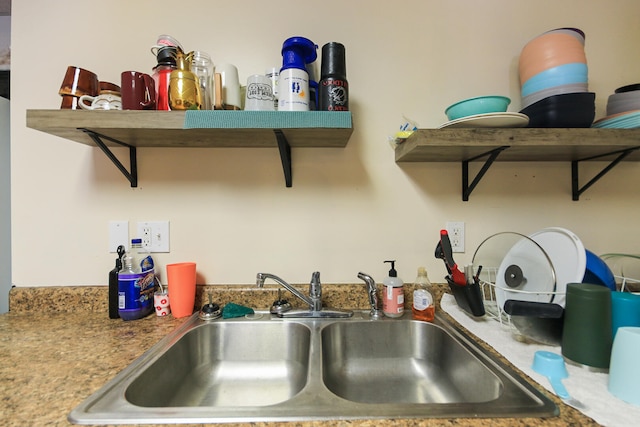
(468, 188)
(132, 174)
(285, 156)
(576, 190)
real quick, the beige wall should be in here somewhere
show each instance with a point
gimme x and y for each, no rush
(349, 209)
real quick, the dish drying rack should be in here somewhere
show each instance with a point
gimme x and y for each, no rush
(488, 288)
(487, 284)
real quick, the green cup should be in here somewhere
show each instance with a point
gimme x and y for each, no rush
(587, 334)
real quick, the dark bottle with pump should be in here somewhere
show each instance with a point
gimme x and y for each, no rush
(333, 88)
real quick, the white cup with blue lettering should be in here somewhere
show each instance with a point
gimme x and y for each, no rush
(293, 90)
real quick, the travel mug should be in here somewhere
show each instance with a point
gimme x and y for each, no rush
(181, 279)
(587, 332)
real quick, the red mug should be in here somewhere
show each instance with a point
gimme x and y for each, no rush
(137, 91)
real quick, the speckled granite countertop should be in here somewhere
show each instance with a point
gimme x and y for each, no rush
(58, 346)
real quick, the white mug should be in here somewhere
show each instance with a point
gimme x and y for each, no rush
(104, 101)
(229, 97)
(258, 94)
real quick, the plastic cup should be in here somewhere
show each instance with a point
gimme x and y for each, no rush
(624, 375)
(161, 303)
(625, 308)
(587, 332)
(181, 279)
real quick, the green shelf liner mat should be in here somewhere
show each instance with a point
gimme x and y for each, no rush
(222, 119)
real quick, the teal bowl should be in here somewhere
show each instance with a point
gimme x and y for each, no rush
(478, 105)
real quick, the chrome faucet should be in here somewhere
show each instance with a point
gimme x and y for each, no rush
(314, 300)
(372, 291)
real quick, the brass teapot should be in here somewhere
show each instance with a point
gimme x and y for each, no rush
(184, 88)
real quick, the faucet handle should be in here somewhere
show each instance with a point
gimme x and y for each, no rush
(315, 287)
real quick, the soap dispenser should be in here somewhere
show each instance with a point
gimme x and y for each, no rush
(393, 293)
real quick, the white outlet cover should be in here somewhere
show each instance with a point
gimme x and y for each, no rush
(159, 239)
(118, 235)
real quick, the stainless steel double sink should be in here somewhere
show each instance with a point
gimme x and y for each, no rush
(271, 369)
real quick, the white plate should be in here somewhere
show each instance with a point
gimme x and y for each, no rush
(538, 282)
(489, 120)
(568, 255)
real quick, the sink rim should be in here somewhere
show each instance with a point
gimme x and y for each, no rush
(315, 401)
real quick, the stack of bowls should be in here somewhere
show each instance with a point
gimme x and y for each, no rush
(623, 109)
(554, 80)
(624, 100)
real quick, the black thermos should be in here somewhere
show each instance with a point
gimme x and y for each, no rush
(333, 87)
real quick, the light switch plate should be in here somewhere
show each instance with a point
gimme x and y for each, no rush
(118, 235)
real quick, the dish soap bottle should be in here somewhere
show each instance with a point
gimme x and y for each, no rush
(423, 302)
(136, 283)
(393, 293)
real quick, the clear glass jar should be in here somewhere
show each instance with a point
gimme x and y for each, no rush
(202, 67)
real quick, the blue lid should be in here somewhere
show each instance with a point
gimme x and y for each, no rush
(297, 52)
(134, 241)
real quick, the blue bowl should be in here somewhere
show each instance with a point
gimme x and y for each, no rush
(576, 72)
(478, 105)
(598, 272)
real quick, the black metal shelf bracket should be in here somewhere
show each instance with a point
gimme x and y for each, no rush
(468, 188)
(132, 174)
(285, 156)
(576, 190)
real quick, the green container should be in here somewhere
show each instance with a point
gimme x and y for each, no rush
(587, 334)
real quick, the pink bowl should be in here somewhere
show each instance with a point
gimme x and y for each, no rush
(547, 51)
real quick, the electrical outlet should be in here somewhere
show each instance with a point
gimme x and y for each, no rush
(118, 235)
(154, 235)
(456, 235)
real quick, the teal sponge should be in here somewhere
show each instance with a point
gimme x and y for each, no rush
(232, 310)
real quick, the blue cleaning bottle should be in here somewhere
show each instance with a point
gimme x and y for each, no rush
(136, 283)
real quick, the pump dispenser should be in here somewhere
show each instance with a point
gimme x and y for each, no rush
(393, 293)
(293, 84)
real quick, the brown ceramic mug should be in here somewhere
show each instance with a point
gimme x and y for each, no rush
(137, 91)
(78, 81)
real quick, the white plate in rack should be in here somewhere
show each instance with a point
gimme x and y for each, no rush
(568, 255)
(489, 120)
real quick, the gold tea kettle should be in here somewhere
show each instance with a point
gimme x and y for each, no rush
(184, 89)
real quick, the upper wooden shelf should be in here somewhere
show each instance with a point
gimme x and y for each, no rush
(521, 144)
(225, 128)
(132, 129)
(524, 144)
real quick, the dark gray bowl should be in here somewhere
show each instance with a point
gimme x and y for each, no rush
(567, 110)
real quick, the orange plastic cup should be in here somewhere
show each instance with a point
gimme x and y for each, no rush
(181, 279)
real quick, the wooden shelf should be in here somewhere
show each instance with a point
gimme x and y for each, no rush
(249, 129)
(521, 144)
